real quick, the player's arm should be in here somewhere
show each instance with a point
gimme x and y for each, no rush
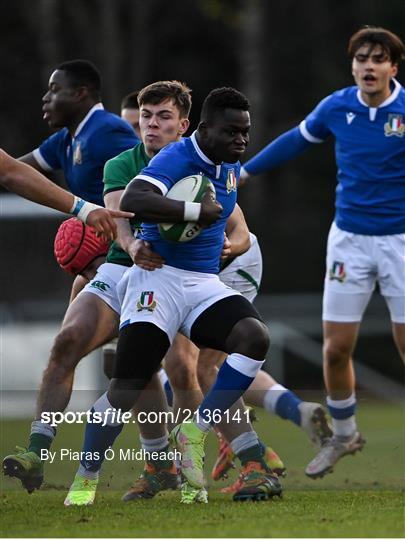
(25, 181)
(137, 249)
(287, 146)
(148, 203)
(237, 239)
(29, 159)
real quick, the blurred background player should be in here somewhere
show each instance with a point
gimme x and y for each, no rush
(25, 181)
(366, 243)
(130, 111)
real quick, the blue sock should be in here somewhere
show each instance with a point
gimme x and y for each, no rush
(98, 437)
(169, 393)
(287, 407)
(234, 378)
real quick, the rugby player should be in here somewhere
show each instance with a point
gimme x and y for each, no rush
(32, 185)
(366, 243)
(186, 293)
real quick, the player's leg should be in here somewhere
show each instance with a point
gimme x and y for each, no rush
(398, 330)
(230, 324)
(149, 322)
(140, 350)
(88, 323)
(349, 283)
(235, 433)
(181, 368)
(266, 392)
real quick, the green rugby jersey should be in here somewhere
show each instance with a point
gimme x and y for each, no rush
(118, 172)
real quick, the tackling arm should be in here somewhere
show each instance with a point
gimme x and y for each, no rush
(25, 181)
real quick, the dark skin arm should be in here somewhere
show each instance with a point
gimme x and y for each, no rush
(148, 204)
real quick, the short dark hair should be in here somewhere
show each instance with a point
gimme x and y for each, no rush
(82, 73)
(130, 101)
(160, 91)
(389, 42)
(223, 98)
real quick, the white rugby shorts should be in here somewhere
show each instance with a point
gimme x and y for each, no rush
(104, 284)
(354, 264)
(244, 274)
(168, 297)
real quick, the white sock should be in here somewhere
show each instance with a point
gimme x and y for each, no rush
(244, 441)
(154, 445)
(342, 427)
(272, 396)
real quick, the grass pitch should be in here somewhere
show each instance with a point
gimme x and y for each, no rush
(364, 497)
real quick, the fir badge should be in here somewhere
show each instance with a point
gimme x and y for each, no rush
(77, 154)
(146, 301)
(231, 181)
(337, 271)
(394, 126)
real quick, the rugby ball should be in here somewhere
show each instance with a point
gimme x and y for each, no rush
(190, 189)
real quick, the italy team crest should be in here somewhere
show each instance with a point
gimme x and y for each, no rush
(146, 301)
(231, 181)
(337, 271)
(394, 126)
(77, 154)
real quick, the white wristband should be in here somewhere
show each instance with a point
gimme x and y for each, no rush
(192, 211)
(81, 209)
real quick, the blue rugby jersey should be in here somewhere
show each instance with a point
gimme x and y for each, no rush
(99, 137)
(370, 157)
(171, 164)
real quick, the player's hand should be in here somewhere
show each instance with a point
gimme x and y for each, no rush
(102, 221)
(142, 255)
(210, 209)
(226, 248)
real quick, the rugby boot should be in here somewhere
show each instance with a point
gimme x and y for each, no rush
(82, 492)
(190, 495)
(224, 461)
(272, 461)
(151, 481)
(26, 466)
(189, 440)
(257, 484)
(314, 422)
(332, 450)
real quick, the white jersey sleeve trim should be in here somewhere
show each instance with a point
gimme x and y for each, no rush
(306, 134)
(153, 181)
(41, 161)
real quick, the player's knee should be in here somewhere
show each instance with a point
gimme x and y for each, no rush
(67, 346)
(183, 378)
(336, 353)
(123, 393)
(249, 337)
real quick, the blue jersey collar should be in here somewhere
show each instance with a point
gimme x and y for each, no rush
(199, 151)
(96, 107)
